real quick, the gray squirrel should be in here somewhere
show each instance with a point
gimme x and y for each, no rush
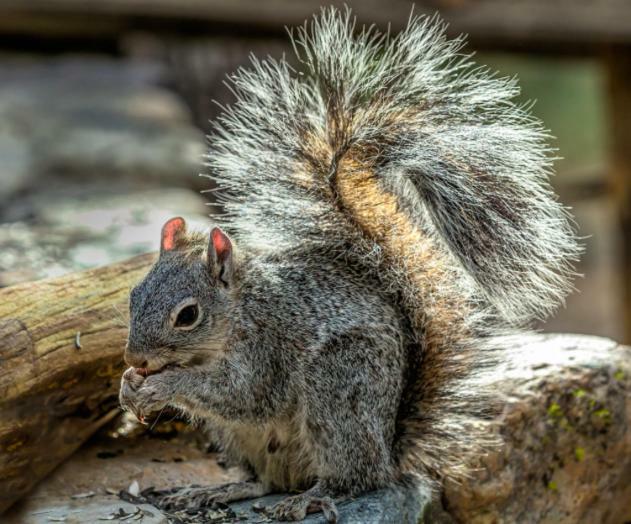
(387, 212)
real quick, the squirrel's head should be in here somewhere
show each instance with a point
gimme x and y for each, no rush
(178, 313)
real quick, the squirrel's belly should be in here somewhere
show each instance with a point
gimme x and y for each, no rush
(280, 453)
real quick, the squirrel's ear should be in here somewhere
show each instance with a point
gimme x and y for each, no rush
(172, 232)
(220, 255)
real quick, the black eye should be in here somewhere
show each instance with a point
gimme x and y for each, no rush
(187, 316)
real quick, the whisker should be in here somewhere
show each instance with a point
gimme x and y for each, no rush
(120, 318)
(119, 313)
(157, 418)
(177, 414)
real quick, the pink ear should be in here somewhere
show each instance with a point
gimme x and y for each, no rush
(171, 232)
(221, 243)
(220, 256)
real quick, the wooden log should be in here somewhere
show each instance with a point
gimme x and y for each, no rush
(61, 347)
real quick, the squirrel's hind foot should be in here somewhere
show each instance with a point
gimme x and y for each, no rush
(296, 507)
(197, 497)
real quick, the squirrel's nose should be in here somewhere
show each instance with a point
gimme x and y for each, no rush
(135, 358)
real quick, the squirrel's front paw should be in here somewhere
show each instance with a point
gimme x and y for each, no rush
(144, 395)
(130, 383)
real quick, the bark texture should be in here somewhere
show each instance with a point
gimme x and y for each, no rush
(61, 347)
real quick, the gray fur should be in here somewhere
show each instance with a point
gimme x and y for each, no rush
(297, 389)
(330, 361)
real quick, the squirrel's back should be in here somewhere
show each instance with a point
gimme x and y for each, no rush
(398, 151)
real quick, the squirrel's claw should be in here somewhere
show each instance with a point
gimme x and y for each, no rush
(143, 395)
(198, 497)
(296, 508)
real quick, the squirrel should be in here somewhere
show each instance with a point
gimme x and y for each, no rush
(386, 214)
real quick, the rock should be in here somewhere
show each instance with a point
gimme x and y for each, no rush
(100, 508)
(92, 118)
(91, 147)
(83, 227)
(566, 455)
(15, 169)
(112, 461)
(405, 505)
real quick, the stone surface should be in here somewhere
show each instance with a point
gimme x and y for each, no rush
(92, 118)
(400, 505)
(112, 461)
(566, 456)
(91, 148)
(106, 508)
(83, 227)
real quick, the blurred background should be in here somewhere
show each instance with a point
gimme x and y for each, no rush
(104, 106)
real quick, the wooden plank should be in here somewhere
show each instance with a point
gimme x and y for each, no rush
(61, 347)
(528, 22)
(619, 76)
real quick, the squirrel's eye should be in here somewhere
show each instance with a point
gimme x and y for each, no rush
(187, 315)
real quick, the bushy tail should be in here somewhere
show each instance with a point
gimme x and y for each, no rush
(443, 137)
(398, 150)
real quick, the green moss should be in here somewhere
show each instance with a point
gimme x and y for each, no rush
(552, 486)
(619, 375)
(579, 453)
(580, 393)
(604, 414)
(555, 410)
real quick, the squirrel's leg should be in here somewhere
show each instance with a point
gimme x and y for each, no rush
(353, 388)
(195, 497)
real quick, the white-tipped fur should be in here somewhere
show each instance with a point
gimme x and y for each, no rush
(392, 207)
(431, 121)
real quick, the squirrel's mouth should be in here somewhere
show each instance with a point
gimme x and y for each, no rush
(145, 372)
